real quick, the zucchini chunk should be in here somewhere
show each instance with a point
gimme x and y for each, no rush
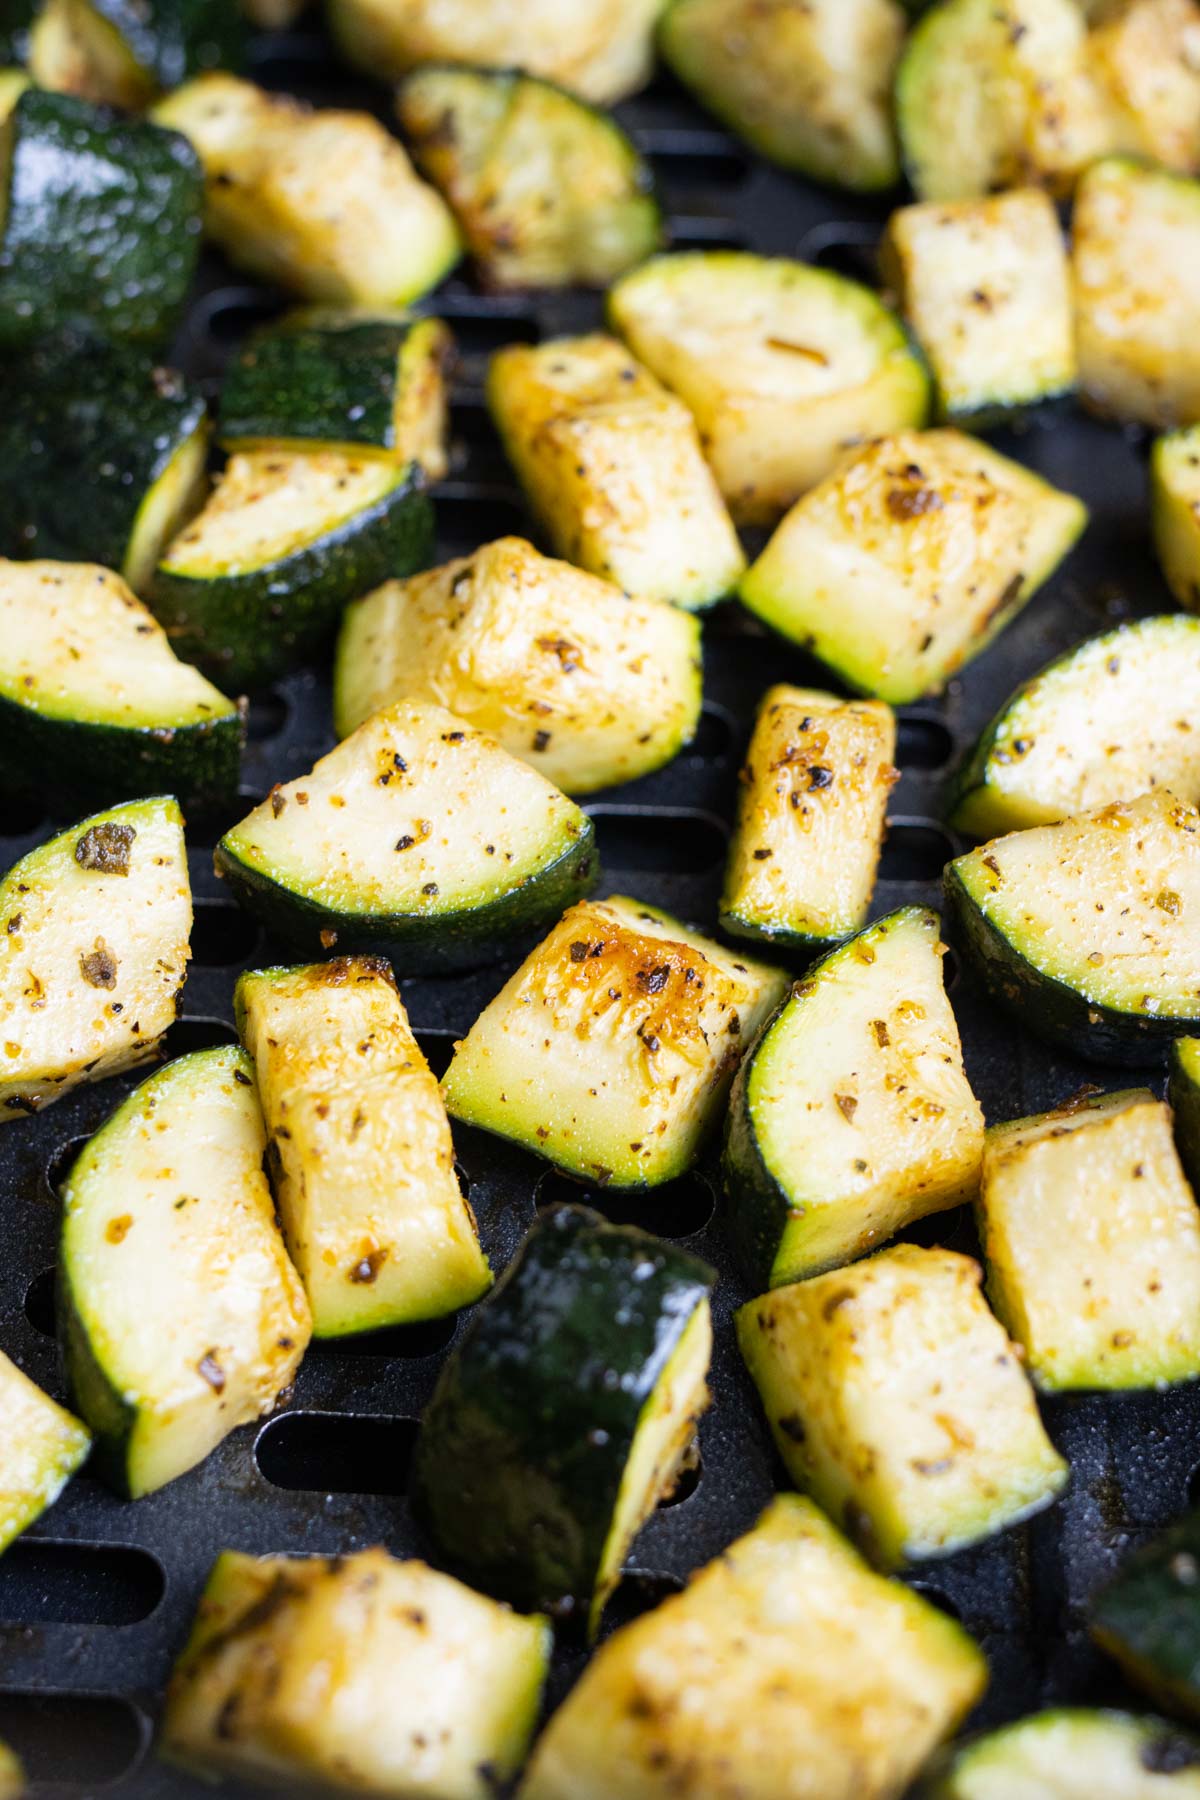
(126, 52)
(43, 1446)
(93, 699)
(1070, 1753)
(94, 951)
(786, 1670)
(1086, 930)
(548, 192)
(257, 580)
(323, 380)
(1108, 721)
(373, 1675)
(1136, 235)
(904, 565)
(811, 819)
(1146, 1618)
(782, 365)
(852, 1116)
(359, 1147)
(565, 1412)
(611, 1049)
(986, 287)
(12, 1775)
(1144, 54)
(1175, 514)
(1183, 1095)
(99, 222)
(613, 467)
(895, 1399)
(1091, 1238)
(809, 87)
(418, 837)
(180, 1316)
(325, 204)
(587, 684)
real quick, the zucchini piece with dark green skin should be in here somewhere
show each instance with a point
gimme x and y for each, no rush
(101, 222)
(418, 837)
(1183, 1093)
(1148, 1619)
(1070, 1753)
(42, 1448)
(127, 52)
(564, 1413)
(258, 579)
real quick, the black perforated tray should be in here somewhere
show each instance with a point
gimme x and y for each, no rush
(95, 1600)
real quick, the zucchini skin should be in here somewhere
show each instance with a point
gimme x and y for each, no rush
(1146, 1618)
(755, 1226)
(1183, 1095)
(315, 384)
(111, 1419)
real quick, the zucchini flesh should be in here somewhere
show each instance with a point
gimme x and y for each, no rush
(564, 1413)
(1086, 929)
(12, 1775)
(610, 1050)
(589, 686)
(1109, 720)
(1175, 521)
(811, 818)
(125, 52)
(359, 1148)
(368, 1673)
(1092, 1242)
(782, 365)
(417, 835)
(43, 1447)
(786, 1667)
(895, 1398)
(1145, 1618)
(93, 952)
(1069, 1753)
(1145, 56)
(905, 563)
(548, 192)
(180, 1316)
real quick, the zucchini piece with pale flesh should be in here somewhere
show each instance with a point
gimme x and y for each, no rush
(1107, 721)
(811, 819)
(359, 1148)
(325, 204)
(612, 464)
(588, 685)
(1085, 930)
(783, 365)
(418, 837)
(1175, 517)
(895, 1399)
(359, 1673)
(1143, 52)
(179, 1315)
(41, 1449)
(12, 1775)
(785, 1670)
(611, 1049)
(125, 53)
(906, 562)
(93, 702)
(1091, 1237)
(93, 952)
(548, 192)
(565, 1412)
(1183, 1095)
(1145, 1618)
(1071, 1753)
(852, 1115)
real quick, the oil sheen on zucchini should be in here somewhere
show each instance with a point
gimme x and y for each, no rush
(1070, 1753)
(180, 1316)
(1145, 1618)
(42, 1448)
(125, 53)
(563, 1414)
(419, 837)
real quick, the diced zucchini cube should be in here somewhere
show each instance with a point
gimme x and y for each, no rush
(1145, 1618)
(1069, 1753)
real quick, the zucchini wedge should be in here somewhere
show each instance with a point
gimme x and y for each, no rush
(125, 53)
(369, 1674)
(1145, 1618)
(12, 1775)
(811, 819)
(93, 700)
(359, 1148)
(1175, 513)
(809, 87)
(418, 837)
(782, 365)
(904, 564)
(324, 204)
(99, 222)
(613, 467)
(1183, 1096)
(93, 953)
(1108, 721)
(1091, 1238)
(257, 580)
(43, 1446)
(179, 1315)
(565, 1412)
(589, 686)
(1086, 930)
(548, 192)
(1070, 1753)
(895, 1399)
(787, 1669)
(611, 1049)
(986, 288)
(852, 1115)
